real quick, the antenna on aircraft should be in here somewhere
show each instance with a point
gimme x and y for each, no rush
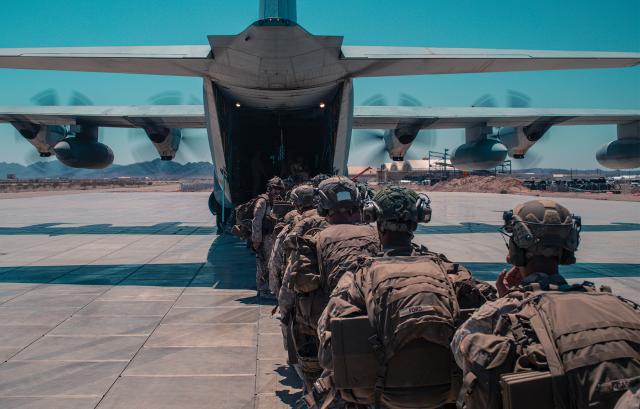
(281, 9)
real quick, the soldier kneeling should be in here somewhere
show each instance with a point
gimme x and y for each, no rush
(385, 334)
(545, 343)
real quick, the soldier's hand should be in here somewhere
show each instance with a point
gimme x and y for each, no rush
(255, 245)
(507, 280)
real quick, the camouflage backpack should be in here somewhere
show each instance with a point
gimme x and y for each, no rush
(412, 313)
(572, 346)
(336, 248)
(244, 217)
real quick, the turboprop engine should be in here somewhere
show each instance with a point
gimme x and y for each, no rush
(42, 137)
(86, 154)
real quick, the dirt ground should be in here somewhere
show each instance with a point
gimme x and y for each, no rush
(161, 187)
(509, 185)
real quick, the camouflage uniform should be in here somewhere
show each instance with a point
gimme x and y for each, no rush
(482, 324)
(536, 228)
(302, 198)
(277, 257)
(539, 228)
(394, 209)
(287, 301)
(309, 220)
(631, 399)
(319, 259)
(262, 226)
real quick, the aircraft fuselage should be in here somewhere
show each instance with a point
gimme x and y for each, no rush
(277, 94)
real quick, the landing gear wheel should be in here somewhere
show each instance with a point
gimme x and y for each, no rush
(216, 210)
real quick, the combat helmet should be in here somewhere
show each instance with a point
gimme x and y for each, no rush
(303, 196)
(337, 194)
(317, 179)
(397, 208)
(541, 228)
(275, 183)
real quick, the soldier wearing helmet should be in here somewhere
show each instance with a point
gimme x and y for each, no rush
(321, 253)
(302, 198)
(511, 335)
(317, 179)
(397, 211)
(262, 227)
(542, 235)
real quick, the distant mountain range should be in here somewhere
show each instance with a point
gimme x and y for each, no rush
(169, 169)
(154, 169)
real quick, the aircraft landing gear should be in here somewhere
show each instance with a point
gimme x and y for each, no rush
(216, 209)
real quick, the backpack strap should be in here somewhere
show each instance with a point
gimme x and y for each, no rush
(558, 378)
(381, 373)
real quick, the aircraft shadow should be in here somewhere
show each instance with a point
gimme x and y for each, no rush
(466, 228)
(59, 229)
(230, 265)
(490, 271)
(179, 228)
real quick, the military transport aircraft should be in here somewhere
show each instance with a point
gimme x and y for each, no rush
(276, 92)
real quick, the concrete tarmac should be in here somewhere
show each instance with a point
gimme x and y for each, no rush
(130, 300)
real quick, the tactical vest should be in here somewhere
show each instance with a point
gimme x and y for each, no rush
(399, 355)
(244, 216)
(322, 257)
(340, 247)
(570, 346)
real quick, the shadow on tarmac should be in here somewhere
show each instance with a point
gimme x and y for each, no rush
(230, 265)
(466, 228)
(178, 228)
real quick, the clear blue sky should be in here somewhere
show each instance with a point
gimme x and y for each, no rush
(544, 24)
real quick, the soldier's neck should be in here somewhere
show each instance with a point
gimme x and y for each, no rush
(540, 265)
(395, 240)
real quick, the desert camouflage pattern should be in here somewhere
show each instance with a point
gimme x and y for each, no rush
(586, 338)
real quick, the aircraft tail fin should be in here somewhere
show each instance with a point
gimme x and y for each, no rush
(284, 9)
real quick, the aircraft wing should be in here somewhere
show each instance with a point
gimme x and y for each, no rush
(161, 60)
(168, 116)
(365, 117)
(393, 61)
(386, 117)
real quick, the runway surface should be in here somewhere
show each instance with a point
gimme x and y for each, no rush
(129, 300)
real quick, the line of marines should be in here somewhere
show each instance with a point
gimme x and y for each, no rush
(372, 320)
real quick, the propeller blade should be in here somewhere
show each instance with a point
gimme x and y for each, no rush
(78, 98)
(167, 98)
(194, 146)
(367, 137)
(142, 149)
(375, 101)
(407, 100)
(517, 99)
(425, 139)
(485, 101)
(530, 160)
(48, 97)
(143, 153)
(31, 157)
(194, 100)
(374, 156)
(17, 136)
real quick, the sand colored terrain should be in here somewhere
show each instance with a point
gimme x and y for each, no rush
(484, 184)
(155, 187)
(509, 185)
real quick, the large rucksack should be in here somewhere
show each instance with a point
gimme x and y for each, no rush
(412, 313)
(575, 346)
(244, 218)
